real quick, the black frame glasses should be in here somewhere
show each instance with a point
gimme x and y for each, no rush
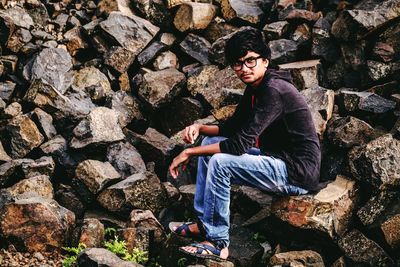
(250, 62)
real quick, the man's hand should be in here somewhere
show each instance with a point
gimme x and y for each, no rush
(191, 133)
(181, 159)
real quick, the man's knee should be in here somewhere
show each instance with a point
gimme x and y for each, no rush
(217, 160)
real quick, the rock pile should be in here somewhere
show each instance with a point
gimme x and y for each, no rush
(94, 94)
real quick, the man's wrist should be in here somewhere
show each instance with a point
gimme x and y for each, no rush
(188, 151)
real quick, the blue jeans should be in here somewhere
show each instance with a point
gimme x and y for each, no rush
(216, 173)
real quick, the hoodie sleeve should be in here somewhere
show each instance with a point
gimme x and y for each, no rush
(268, 108)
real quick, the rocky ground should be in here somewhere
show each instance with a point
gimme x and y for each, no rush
(94, 94)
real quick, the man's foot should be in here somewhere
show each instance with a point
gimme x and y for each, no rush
(205, 250)
(185, 229)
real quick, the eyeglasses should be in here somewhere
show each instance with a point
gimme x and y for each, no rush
(250, 62)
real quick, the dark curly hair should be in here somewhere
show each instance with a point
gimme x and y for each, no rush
(246, 40)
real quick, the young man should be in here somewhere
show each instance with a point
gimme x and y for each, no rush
(270, 143)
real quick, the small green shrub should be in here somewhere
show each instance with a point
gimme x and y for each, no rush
(70, 261)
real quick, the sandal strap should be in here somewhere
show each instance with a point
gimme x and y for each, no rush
(207, 248)
(184, 226)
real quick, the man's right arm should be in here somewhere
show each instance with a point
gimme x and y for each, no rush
(190, 134)
(210, 130)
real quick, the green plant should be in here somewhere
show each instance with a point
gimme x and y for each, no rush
(70, 261)
(258, 237)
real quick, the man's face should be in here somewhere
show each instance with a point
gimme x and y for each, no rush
(251, 68)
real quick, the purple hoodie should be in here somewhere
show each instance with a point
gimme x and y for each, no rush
(283, 122)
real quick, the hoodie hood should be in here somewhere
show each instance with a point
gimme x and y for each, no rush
(279, 74)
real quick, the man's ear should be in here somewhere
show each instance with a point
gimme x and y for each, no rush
(266, 61)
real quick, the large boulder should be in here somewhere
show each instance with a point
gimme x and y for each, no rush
(125, 158)
(305, 73)
(102, 257)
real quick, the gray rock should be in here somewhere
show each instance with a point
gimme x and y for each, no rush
(218, 28)
(67, 198)
(276, 30)
(250, 11)
(45, 123)
(181, 113)
(320, 101)
(105, 218)
(154, 11)
(283, 51)
(100, 126)
(323, 45)
(19, 38)
(166, 60)
(93, 81)
(125, 159)
(161, 87)
(102, 257)
(41, 166)
(305, 74)
(36, 215)
(150, 52)
(19, 17)
(53, 65)
(154, 147)
(20, 142)
(96, 175)
(354, 54)
(39, 14)
(145, 219)
(378, 70)
(243, 250)
(363, 250)
(131, 32)
(6, 90)
(218, 87)
(353, 102)
(128, 108)
(139, 191)
(304, 258)
(349, 131)
(92, 233)
(378, 162)
(197, 47)
(40, 185)
(106, 7)
(11, 173)
(119, 58)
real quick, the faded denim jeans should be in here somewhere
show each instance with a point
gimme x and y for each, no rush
(216, 173)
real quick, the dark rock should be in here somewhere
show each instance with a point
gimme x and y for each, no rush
(276, 30)
(304, 258)
(92, 233)
(144, 219)
(139, 191)
(302, 35)
(105, 218)
(378, 70)
(181, 113)
(11, 172)
(36, 216)
(197, 47)
(6, 90)
(250, 11)
(283, 51)
(3, 154)
(305, 74)
(334, 75)
(150, 52)
(154, 11)
(119, 58)
(75, 40)
(125, 159)
(45, 123)
(67, 198)
(323, 45)
(383, 52)
(363, 250)
(19, 38)
(41, 166)
(377, 162)
(102, 257)
(194, 16)
(244, 251)
(218, 28)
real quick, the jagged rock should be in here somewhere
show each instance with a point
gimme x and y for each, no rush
(100, 126)
(11, 111)
(40, 185)
(391, 231)
(386, 89)
(9, 63)
(377, 162)
(19, 17)
(197, 47)
(283, 51)
(3, 154)
(106, 7)
(75, 40)
(6, 90)
(119, 58)
(302, 35)
(320, 101)
(172, 191)
(323, 45)
(139, 191)
(378, 70)
(45, 123)
(96, 175)
(128, 108)
(305, 73)
(105, 218)
(293, 14)
(354, 54)
(8, 27)
(243, 250)
(150, 52)
(217, 87)
(137, 238)
(67, 198)
(102, 257)
(41, 166)
(356, 102)
(125, 159)
(250, 11)
(93, 81)
(181, 113)
(145, 219)
(23, 136)
(329, 211)
(166, 60)
(363, 250)
(383, 52)
(354, 24)
(135, 34)
(153, 146)
(92, 233)
(349, 131)
(53, 66)
(304, 258)
(155, 11)
(218, 28)
(10, 172)
(276, 30)
(19, 38)
(194, 16)
(36, 215)
(161, 87)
